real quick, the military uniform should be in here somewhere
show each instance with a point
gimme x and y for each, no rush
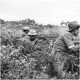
(61, 49)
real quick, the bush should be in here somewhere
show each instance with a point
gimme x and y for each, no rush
(21, 59)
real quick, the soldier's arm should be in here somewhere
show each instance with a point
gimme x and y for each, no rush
(70, 44)
(74, 48)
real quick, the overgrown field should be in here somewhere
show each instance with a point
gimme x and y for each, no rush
(22, 60)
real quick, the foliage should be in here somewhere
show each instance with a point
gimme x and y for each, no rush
(71, 66)
(2, 21)
(20, 59)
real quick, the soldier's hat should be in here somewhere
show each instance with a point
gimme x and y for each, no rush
(73, 25)
(25, 28)
(32, 32)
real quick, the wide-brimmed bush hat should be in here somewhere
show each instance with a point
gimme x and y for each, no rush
(73, 25)
(32, 32)
(25, 28)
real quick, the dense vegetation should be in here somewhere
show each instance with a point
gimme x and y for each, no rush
(22, 60)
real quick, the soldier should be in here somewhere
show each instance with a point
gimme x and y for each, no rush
(25, 30)
(28, 41)
(32, 35)
(24, 35)
(64, 45)
(35, 39)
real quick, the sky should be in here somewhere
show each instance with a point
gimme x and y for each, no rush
(42, 11)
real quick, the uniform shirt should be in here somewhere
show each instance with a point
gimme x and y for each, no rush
(64, 42)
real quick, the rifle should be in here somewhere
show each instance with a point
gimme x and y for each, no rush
(46, 37)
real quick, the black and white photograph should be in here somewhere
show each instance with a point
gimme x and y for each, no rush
(39, 39)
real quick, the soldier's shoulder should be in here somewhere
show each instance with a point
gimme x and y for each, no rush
(67, 34)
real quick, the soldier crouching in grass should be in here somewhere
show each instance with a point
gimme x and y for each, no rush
(64, 46)
(24, 35)
(32, 35)
(25, 30)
